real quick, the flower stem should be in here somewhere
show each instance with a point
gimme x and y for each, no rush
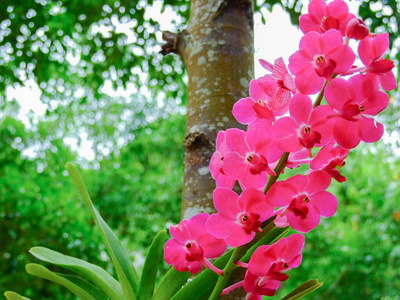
(321, 93)
(278, 170)
(222, 280)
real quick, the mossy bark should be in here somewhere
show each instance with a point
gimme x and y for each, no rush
(217, 48)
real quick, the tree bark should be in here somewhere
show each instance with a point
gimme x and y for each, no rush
(217, 48)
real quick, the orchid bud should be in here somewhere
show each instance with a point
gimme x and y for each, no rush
(356, 29)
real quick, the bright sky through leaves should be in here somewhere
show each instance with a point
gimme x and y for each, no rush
(270, 43)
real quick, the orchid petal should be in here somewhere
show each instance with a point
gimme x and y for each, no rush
(243, 110)
(370, 131)
(318, 181)
(325, 202)
(235, 140)
(346, 133)
(225, 200)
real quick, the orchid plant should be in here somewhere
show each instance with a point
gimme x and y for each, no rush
(317, 134)
(313, 115)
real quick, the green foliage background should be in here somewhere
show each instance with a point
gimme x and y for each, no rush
(135, 179)
(138, 194)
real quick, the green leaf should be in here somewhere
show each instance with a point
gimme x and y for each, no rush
(153, 258)
(126, 273)
(14, 296)
(170, 284)
(77, 288)
(304, 289)
(83, 284)
(98, 276)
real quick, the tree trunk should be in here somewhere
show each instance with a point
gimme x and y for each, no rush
(218, 51)
(217, 48)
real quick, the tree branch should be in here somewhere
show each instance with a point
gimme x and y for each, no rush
(175, 43)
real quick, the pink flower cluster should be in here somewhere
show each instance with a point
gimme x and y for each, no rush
(286, 129)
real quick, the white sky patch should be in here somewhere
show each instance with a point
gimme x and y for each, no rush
(277, 38)
(28, 98)
(85, 149)
(391, 139)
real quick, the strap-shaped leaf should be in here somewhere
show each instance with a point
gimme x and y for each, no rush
(98, 276)
(83, 284)
(304, 289)
(124, 267)
(153, 258)
(170, 284)
(42, 272)
(14, 296)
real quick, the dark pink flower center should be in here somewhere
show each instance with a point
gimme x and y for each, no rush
(258, 164)
(308, 138)
(299, 206)
(381, 66)
(329, 22)
(195, 252)
(324, 67)
(351, 111)
(262, 110)
(221, 169)
(274, 272)
(281, 84)
(250, 222)
(335, 162)
(332, 168)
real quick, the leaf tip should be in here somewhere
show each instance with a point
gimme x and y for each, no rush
(69, 166)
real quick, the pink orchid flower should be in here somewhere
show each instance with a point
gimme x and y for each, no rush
(254, 108)
(371, 51)
(279, 86)
(318, 58)
(322, 17)
(191, 245)
(216, 163)
(328, 159)
(238, 217)
(304, 200)
(306, 127)
(356, 101)
(268, 264)
(249, 156)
